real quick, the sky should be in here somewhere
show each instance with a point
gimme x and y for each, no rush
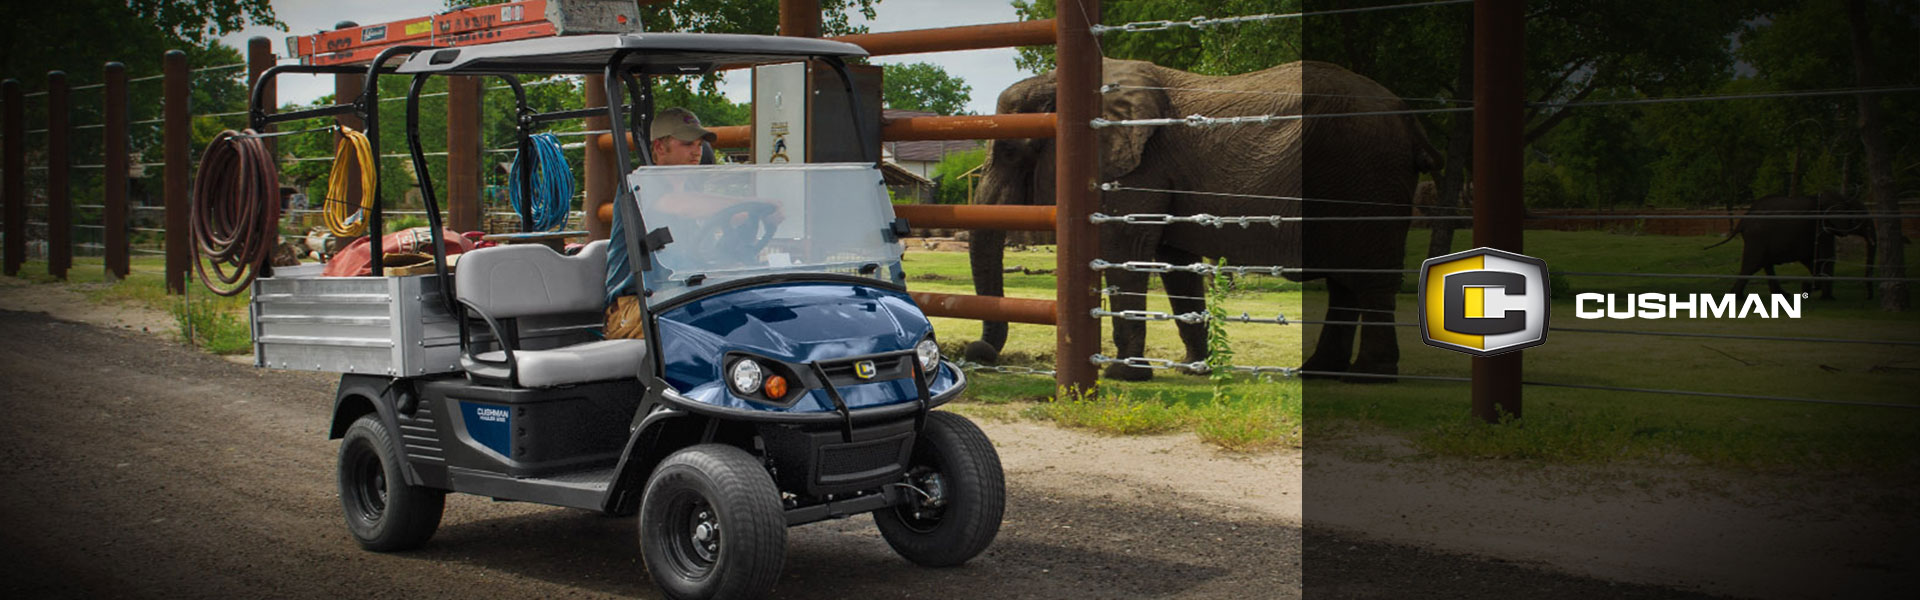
(987, 71)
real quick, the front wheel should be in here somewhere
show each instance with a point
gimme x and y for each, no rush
(711, 525)
(383, 512)
(957, 495)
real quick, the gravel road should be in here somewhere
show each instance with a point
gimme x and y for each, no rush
(138, 468)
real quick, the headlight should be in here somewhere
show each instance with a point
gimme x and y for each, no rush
(928, 353)
(745, 376)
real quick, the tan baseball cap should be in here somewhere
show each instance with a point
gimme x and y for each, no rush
(681, 124)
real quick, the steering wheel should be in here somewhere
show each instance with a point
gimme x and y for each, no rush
(720, 238)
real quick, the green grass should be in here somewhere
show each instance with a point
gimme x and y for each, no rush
(205, 320)
(1256, 414)
(207, 324)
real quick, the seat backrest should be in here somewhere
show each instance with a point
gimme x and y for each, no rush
(531, 279)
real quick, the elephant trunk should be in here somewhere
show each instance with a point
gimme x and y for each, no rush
(986, 251)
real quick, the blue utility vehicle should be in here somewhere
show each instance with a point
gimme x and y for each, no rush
(785, 376)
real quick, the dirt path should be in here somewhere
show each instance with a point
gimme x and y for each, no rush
(138, 468)
(1790, 535)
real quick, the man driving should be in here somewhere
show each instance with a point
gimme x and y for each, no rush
(677, 139)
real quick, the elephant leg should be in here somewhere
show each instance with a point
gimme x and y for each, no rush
(1334, 350)
(1871, 250)
(1187, 294)
(1740, 285)
(1825, 251)
(1379, 340)
(1129, 337)
(1752, 260)
(1773, 285)
(1817, 268)
(1827, 269)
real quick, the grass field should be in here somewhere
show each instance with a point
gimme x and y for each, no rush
(1249, 414)
(1586, 426)
(215, 323)
(1559, 425)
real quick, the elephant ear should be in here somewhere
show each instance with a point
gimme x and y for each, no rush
(1133, 93)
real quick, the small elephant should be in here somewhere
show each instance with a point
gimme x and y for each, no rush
(1808, 241)
(1344, 166)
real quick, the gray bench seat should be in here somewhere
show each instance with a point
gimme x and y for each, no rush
(508, 282)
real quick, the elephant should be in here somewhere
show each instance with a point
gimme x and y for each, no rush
(1808, 241)
(1361, 165)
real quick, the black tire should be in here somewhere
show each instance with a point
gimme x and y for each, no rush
(711, 525)
(973, 495)
(383, 512)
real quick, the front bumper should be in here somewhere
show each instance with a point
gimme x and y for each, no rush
(847, 416)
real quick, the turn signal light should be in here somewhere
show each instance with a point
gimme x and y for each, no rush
(776, 387)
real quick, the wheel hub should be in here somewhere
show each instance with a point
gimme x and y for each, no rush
(705, 535)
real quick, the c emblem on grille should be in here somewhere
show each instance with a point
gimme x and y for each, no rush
(864, 369)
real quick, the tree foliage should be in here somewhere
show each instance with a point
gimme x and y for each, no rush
(925, 86)
(699, 94)
(78, 36)
(1711, 153)
(1215, 51)
(950, 176)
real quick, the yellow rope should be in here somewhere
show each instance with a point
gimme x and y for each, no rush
(345, 218)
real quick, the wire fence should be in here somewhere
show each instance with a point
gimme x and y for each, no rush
(1209, 22)
(1210, 220)
(145, 225)
(1246, 221)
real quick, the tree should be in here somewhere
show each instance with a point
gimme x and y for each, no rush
(44, 36)
(950, 176)
(1216, 51)
(925, 86)
(1873, 138)
(65, 36)
(699, 94)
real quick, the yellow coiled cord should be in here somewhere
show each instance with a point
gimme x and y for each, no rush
(344, 218)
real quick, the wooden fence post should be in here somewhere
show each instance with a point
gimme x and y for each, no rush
(1499, 121)
(601, 174)
(177, 179)
(59, 163)
(800, 18)
(259, 59)
(113, 145)
(1077, 336)
(463, 153)
(16, 174)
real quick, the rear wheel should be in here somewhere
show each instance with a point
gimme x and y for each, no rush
(383, 512)
(957, 496)
(711, 525)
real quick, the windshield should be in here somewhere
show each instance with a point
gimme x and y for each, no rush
(735, 221)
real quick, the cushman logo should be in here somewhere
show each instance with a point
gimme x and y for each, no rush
(1687, 306)
(1483, 301)
(863, 369)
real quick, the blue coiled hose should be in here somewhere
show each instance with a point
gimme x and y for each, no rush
(552, 184)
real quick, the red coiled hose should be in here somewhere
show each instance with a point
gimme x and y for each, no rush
(236, 211)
